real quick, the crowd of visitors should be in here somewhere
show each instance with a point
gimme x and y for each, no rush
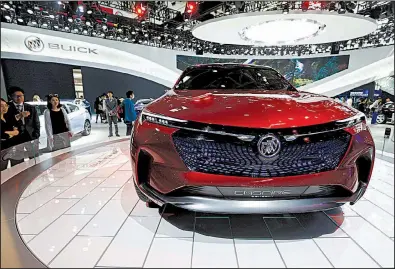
(20, 124)
(113, 110)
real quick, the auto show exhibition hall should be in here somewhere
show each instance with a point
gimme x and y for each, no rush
(197, 134)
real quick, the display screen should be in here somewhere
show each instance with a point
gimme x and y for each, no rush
(298, 71)
(308, 70)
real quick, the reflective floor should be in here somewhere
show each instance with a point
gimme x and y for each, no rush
(84, 212)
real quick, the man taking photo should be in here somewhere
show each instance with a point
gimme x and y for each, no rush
(29, 123)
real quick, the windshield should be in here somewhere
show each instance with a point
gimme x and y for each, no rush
(143, 102)
(232, 78)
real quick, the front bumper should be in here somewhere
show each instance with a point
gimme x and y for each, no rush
(227, 206)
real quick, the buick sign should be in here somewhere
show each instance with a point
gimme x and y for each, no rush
(35, 44)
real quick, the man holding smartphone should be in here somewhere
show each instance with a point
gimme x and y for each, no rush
(29, 123)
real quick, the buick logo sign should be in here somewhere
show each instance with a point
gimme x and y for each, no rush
(269, 146)
(34, 43)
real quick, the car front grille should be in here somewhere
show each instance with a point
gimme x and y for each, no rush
(225, 155)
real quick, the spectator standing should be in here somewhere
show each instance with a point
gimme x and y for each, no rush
(349, 102)
(375, 108)
(57, 124)
(9, 134)
(129, 112)
(111, 105)
(104, 98)
(99, 108)
(29, 126)
(361, 105)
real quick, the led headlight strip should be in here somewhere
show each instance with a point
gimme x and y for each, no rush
(352, 121)
(159, 119)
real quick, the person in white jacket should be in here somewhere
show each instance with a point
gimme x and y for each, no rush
(57, 124)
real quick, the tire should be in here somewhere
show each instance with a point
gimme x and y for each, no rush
(141, 195)
(381, 119)
(87, 128)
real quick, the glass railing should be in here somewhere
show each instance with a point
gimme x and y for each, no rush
(13, 153)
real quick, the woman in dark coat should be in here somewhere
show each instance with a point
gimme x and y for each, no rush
(9, 134)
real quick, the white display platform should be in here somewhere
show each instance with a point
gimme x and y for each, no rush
(84, 212)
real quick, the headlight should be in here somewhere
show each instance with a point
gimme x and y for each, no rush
(159, 119)
(354, 124)
(352, 121)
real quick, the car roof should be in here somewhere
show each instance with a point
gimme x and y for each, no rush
(231, 65)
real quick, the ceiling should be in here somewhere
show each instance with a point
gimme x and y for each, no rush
(277, 28)
(168, 24)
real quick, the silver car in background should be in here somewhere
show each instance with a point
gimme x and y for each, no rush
(79, 117)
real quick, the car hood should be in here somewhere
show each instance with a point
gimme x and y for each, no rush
(252, 109)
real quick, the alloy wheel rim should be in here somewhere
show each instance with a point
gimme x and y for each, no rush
(87, 127)
(380, 118)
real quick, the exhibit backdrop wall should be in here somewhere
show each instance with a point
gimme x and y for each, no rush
(156, 64)
(44, 78)
(97, 81)
(3, 87)
(39, 78)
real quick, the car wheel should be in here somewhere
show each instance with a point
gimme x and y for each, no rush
(381, 119)
(87, 128)
(141, 195)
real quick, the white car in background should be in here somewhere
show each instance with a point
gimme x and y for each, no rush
(80, 119)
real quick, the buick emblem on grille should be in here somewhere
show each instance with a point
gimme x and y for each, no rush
(269, 146)
(34, 43)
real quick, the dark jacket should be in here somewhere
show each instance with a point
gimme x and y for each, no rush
(31, 128)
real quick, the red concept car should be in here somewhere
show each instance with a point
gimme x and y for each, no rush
(231, 138)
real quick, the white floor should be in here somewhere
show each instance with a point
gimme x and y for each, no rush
(84, 212)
